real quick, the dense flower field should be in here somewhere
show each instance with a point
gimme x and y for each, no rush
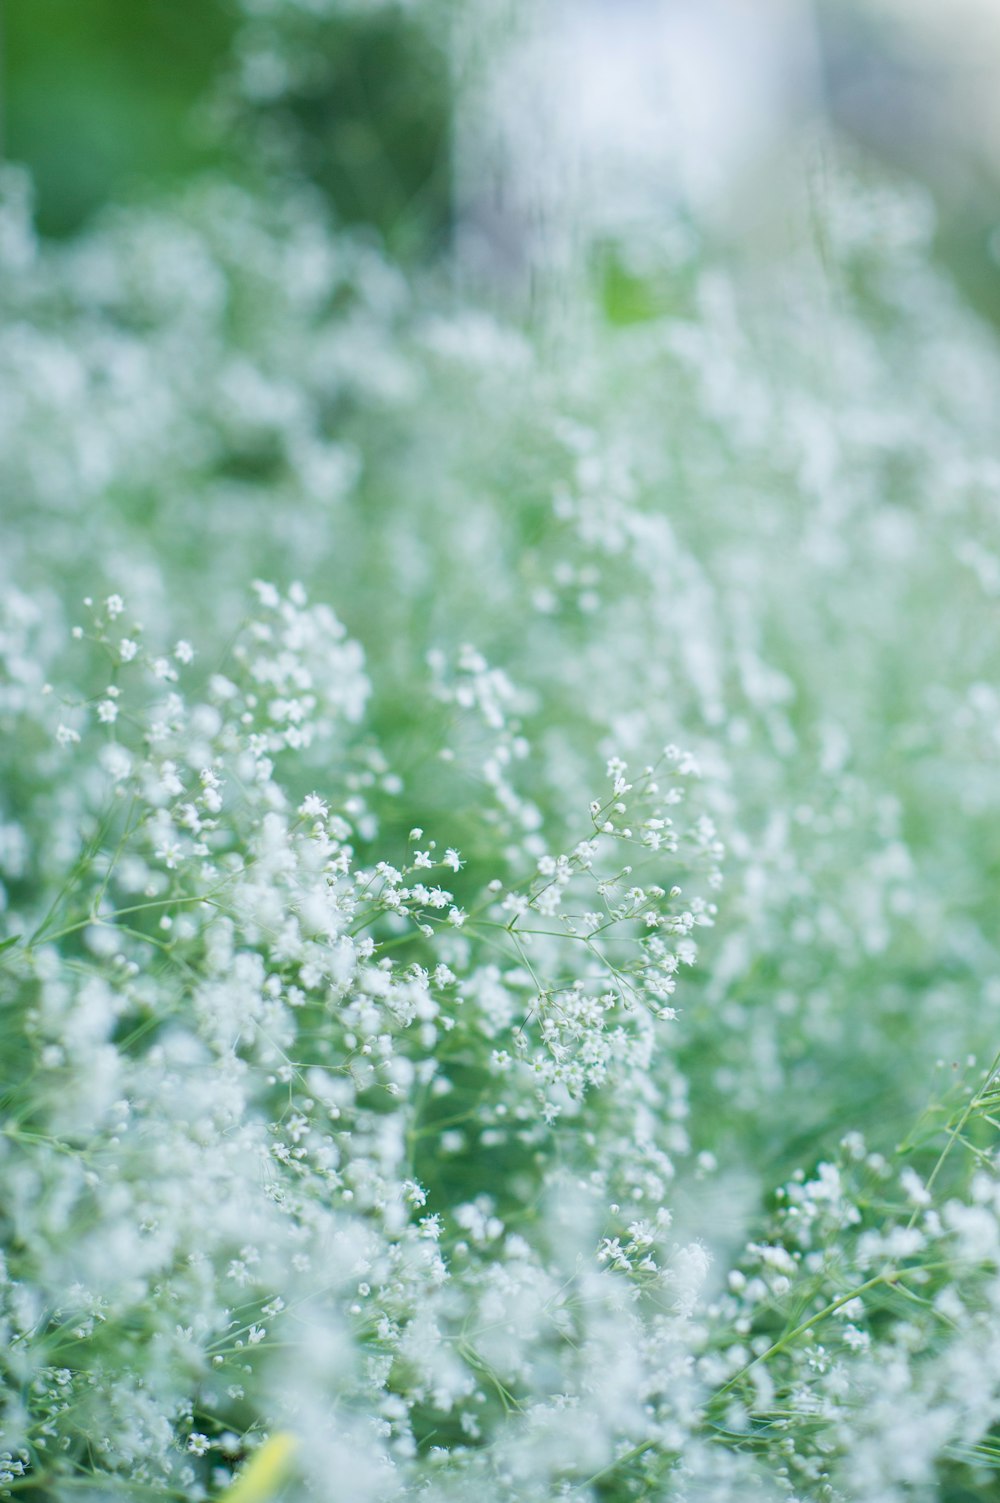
(498, 838)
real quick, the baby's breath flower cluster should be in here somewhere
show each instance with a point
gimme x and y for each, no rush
(396, 1101)
(268, 1079)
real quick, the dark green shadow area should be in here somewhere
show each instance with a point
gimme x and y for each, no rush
(99, 97)
(106, 101)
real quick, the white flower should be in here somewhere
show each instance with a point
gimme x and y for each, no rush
(313, 807)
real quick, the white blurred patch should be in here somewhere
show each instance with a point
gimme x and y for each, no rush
(602, 113)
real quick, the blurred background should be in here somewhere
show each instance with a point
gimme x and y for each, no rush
(523, 131)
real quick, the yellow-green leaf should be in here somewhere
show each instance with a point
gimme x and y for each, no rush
(264, 1472)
